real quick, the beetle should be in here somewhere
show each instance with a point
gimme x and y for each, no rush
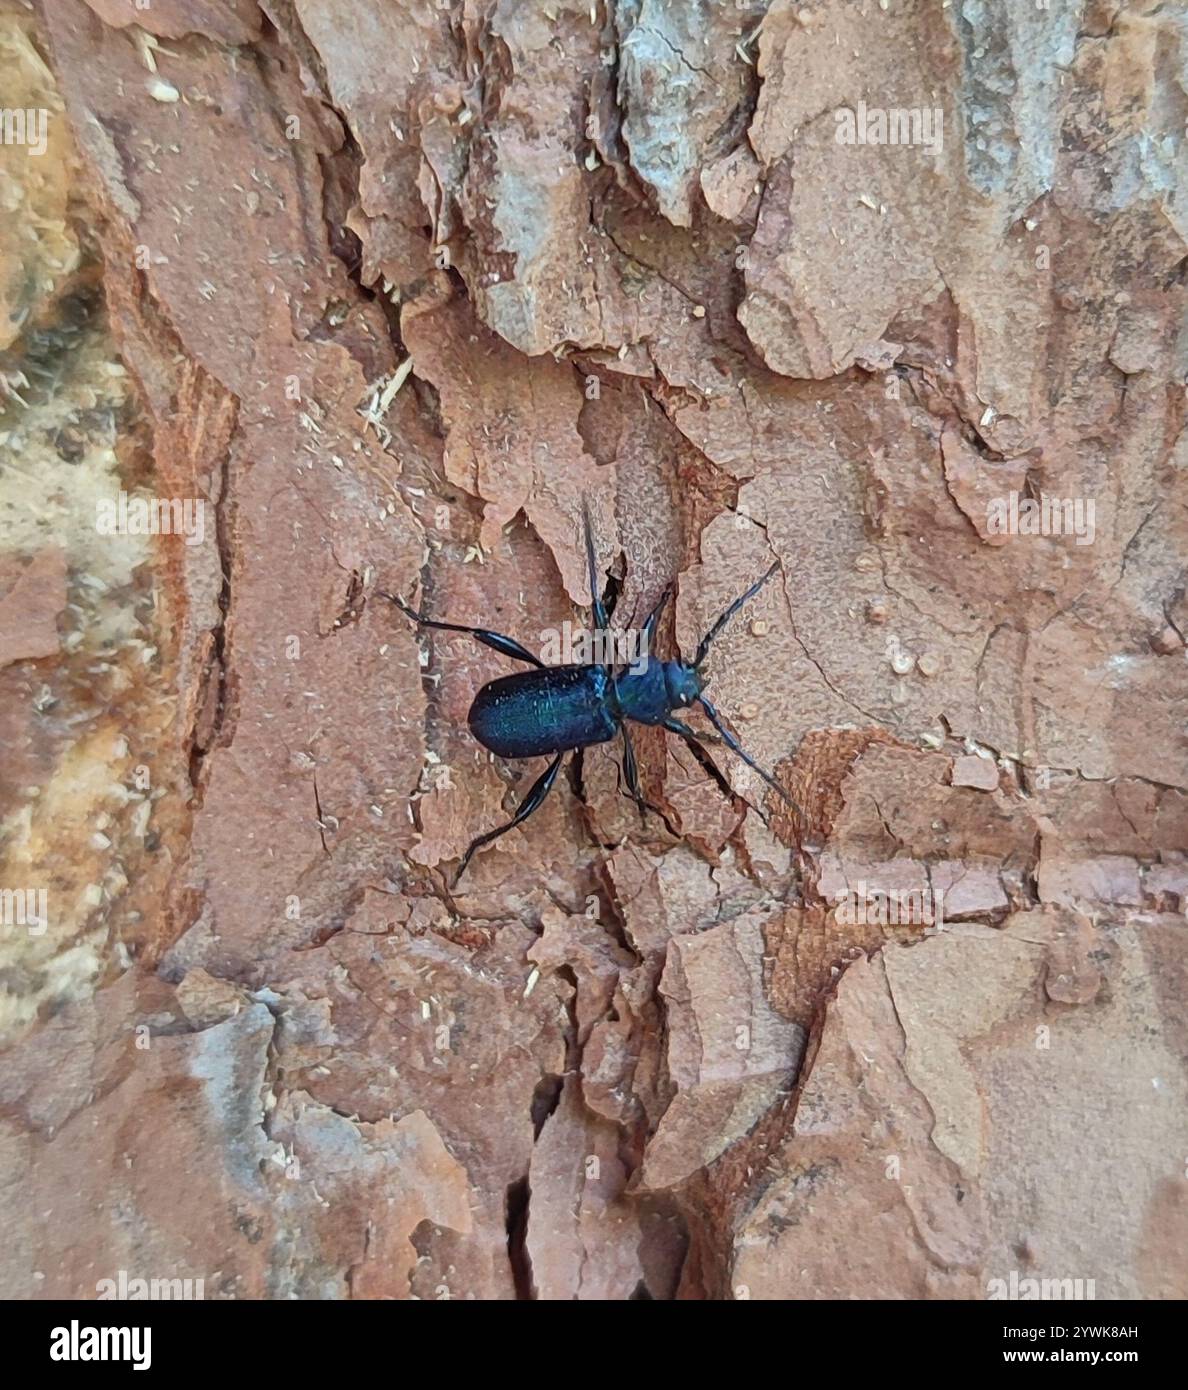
(554, 710)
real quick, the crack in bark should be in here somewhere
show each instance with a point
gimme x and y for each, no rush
(814, 662)
(213, 682)
(519, 1195)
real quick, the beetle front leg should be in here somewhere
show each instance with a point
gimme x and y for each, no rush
(696, 742)
(711, 713)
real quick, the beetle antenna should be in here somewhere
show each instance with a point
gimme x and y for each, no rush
(704, 645)
(597, 604)
(591, 554)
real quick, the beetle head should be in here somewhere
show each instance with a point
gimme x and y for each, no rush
(684, 683)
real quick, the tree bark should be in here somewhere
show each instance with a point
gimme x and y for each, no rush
(889, 295)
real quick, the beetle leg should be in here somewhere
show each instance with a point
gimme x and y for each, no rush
(735, 747)
(536, 794)
(507, 645)
(676, 726)
(696, 744)
(631, 777)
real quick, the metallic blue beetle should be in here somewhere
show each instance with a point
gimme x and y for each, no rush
(556, 709)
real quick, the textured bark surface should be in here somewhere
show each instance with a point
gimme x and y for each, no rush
(390, 288)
